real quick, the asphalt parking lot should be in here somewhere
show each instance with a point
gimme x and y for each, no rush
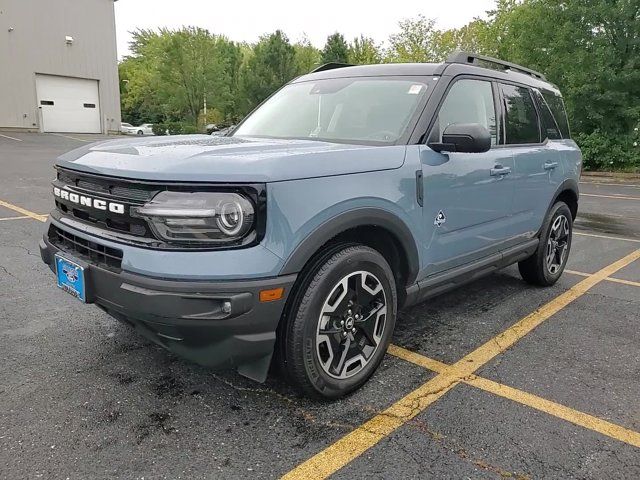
(498, 379)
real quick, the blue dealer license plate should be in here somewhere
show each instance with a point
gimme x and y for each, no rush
(70, 277)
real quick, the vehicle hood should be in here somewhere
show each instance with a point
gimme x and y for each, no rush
(204, 158)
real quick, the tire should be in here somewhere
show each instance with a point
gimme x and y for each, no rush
(140, 132)
(556, 233)
(312, 347)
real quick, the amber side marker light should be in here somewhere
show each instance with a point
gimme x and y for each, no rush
(271, 295)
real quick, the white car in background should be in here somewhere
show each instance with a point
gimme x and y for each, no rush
(126, 128)
(144, 129)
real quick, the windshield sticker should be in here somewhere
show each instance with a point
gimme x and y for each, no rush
(415, 89)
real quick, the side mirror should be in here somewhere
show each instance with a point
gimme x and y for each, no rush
(464, 137)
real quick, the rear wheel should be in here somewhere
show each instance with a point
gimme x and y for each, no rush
(546, 265)
(340, 323)
(140, 132)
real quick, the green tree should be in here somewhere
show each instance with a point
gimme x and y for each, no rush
(336, 49)
(170, 73)
(590, 49)
(477, 37)
(415, 42)
(307, 57)
(272, 64)
(364, 51)
(138, 102)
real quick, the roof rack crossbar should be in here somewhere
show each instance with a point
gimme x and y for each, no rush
(474, 59)
(330, 66)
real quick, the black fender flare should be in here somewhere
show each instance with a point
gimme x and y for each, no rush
(569, 184)
(358, 217)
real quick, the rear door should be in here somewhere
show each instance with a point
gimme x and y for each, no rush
(467, 196)
(530, 135)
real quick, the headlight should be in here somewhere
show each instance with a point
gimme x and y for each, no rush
(198, 218)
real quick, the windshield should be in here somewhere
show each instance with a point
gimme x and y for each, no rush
(349, 110)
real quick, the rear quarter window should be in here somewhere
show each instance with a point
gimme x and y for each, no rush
(550, 127)
(556, 104)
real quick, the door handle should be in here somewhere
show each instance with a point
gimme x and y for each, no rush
(550, 165)
(499, 171)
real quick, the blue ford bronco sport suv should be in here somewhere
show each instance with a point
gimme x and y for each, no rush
(350, 193)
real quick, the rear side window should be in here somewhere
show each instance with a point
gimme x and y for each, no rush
(468, 101)
(550, 127)
(521, 119)
(560, 114)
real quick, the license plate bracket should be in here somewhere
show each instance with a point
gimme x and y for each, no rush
(70, 276)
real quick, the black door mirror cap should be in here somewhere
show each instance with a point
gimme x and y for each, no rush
(465, 138)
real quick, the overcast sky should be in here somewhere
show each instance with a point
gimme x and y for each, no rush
(246, 20)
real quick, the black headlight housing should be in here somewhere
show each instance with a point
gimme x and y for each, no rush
(204, 218)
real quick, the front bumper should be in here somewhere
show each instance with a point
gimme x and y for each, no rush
(190, 318)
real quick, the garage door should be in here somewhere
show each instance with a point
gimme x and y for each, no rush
(68, 104)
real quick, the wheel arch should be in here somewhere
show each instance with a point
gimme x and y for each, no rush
(387, 233)
(569, 193)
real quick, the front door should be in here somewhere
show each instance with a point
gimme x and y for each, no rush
(467, 196)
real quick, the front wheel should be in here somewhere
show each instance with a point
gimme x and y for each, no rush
(546, 265)
(341, 322)
(140, 132)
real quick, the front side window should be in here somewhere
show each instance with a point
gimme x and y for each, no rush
(521, 118)
(468, 101)
(348, 110)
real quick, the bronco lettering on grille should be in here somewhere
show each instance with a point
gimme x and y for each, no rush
(85, 201)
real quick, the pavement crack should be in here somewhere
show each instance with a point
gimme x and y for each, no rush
(297, 410)
(29, 252)
(7, 272)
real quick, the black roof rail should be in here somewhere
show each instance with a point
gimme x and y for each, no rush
(330, 66)
(475, 59)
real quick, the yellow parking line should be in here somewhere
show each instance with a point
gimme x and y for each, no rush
(354, 444)
(541, 404)
(15, 208)
(608, 279)
(557, 410)
(608, 237)
(13, 218)
(618, 197)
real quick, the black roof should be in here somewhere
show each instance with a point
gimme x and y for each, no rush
(458, 63)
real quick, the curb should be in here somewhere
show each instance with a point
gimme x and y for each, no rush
(613, 177)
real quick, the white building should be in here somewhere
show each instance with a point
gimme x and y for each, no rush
(58, 66)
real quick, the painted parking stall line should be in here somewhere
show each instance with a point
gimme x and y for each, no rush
(354, 444)
(607, 237)
(616, 197)
(22, 217)
(568, 414)
(608, 279)
(626, 185)
(72, 138)
(10, 138)
(24, 212)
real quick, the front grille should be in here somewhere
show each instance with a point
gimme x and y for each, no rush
(107, 186)
(91, 252)
(107, 189)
